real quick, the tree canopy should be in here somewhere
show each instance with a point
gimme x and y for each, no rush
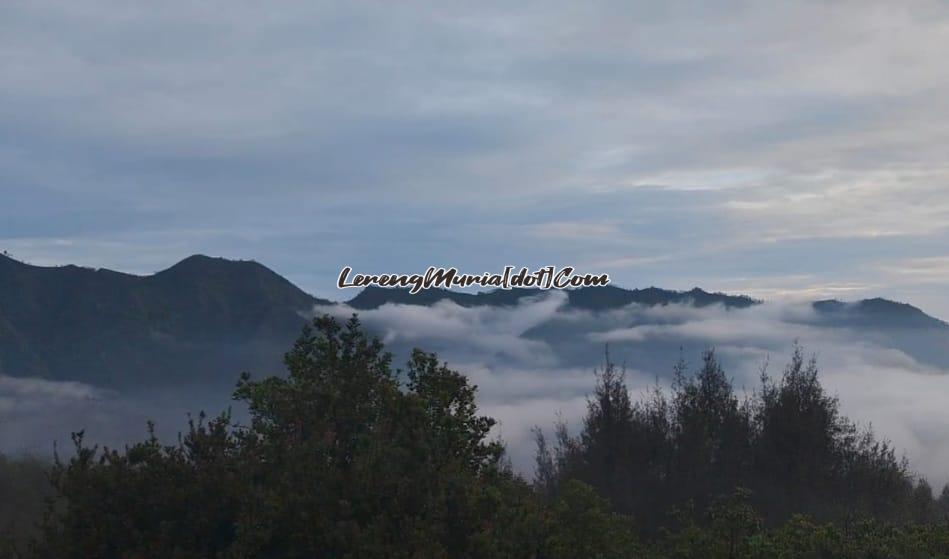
(345, 457)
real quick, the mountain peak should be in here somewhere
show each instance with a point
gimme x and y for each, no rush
(201, 263)
(200, 259)
(189, 320)
(220, 278)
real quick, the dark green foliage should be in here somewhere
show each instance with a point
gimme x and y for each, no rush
(176, 501)
(732, 529)
(24, 486)
(711, 434)
(580, 523)
(340, 460)
(787, 446)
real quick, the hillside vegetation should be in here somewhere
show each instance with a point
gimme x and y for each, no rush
(340, 459)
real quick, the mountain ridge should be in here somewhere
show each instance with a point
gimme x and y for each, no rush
(587, 298)
(111, 326)
(877, 311)
(209, 318)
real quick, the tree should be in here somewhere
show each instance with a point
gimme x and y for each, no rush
(712, 433)
(786, 447)
(338, 460)
(581, 524)
(799, 439)
(607, 432)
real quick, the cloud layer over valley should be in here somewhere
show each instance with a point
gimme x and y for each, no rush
(535, 360)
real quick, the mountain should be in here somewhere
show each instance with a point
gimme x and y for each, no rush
(886, 323)
(875, 313)
(206, 319)
(200, 318)
(587, 298)
(897, 325)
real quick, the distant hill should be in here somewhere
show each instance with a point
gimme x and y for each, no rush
(207, 319)
(200, 318)
(587, 298)
(875, 313)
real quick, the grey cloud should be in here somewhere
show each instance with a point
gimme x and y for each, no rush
(485, 330)
(38, 416)
(694, 135)
(536, 360)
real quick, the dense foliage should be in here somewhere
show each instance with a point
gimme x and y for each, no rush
(787, 445)
(24, 488)
(342, 459)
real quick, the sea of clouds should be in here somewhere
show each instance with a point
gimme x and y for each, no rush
(535, 362)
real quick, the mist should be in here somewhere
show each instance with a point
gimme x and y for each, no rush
(534, 363)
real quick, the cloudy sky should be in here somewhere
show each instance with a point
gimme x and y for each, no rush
(784, 150)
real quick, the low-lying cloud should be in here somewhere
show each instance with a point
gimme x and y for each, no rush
(535, 361)
(38, 416)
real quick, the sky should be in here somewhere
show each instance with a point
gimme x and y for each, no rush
(786, 150)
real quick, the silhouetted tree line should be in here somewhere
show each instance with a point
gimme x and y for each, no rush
(787, 445)
(342, 460)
